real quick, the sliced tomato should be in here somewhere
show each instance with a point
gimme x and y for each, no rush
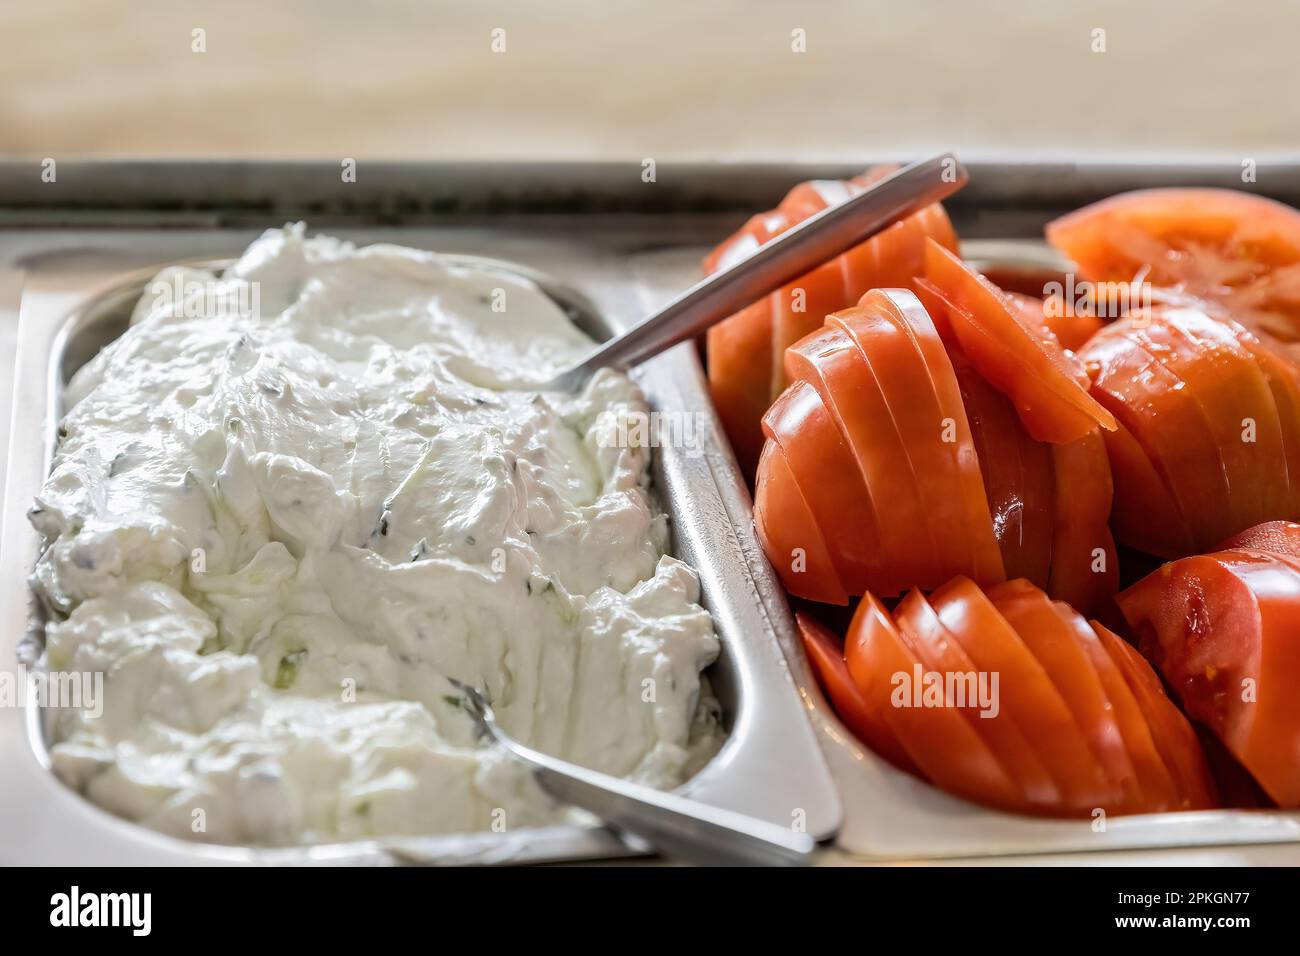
(826, 654)
(740, 377)
(938, 739)
(1047, 386)
(824, 467)
(1143, 514)
(1028, 695)
(1085, 567)
(1017, 476)
(1222, 629)
(1069, 326)
(745, 352)
(900, 343)
(1174, 738)
(1283, 378)
(1156, 788)
(1158, 410)
(1031, 613)
(789, 534)
(836, 367)
(940, 653)
(1273, 537)
(1237, 402)
(1232, 247)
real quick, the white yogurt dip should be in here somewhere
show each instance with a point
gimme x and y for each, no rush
(277, 534)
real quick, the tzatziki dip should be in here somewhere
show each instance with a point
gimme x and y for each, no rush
(289, 504)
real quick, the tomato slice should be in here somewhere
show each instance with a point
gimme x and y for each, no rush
(824, 467)
(790, 536)
(1222, 630)
(740, 376)
(1231, 247)
(1070, 327)
(1047, 386)
(1028, 694)
(900, 343)
(940, 653)
(826, 654)
(1017, 476)
(1281, 538)
(1085, 567)
(745, 351)
(1174, 738)
(1160, 412)
(1143, 514)
(831, 362)
(937, 738)
(1156, 789)
(1283, 379)
(1235, 398)
(1031, 613)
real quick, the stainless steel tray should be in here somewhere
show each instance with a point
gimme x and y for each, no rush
(770, 765)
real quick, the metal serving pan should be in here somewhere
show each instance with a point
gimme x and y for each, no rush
(770, 765)
(638, 246)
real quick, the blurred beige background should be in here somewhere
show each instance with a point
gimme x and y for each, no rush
(670, 80)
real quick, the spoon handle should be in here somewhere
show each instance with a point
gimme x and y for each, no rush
(676, 826)
(792, 254)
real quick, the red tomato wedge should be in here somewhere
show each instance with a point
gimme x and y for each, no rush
(826, 654)
(1174, 739)
(824, 467)
(939, 740)
(1017, 476)
(1028, 695)
(830, 361)
(744, 352)
(1157, 790)
(1047, 386)
(1085, 567)
(1273, 537)
(1231, 247)
(940, 653)
(1224, 630)
(1031, 613)
(789, 534)
(1070, 327)
(902, 347)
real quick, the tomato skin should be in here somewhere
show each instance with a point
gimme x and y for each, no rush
(1174, 738)
(740, 372)
(1047, 386)
(1189, 393)
(833, 363)
(824, 467)
(1085, 565)
(1281, 538)
(1029, 696)
(1222, 629)
(789, 535)
(826, 655)
(1017, 475)
(938, 739)
(1031, 613)
(940, 652)
(1239, 250)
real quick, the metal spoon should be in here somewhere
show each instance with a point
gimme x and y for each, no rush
(676, 826)
(779, 261)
